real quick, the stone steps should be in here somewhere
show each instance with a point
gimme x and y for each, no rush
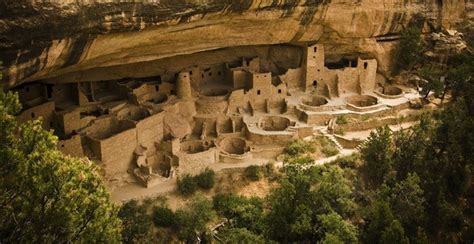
(361, 145)
(331, 137)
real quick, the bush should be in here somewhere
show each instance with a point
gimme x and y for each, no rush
(242, 212)
(330, 151)
(205, 179)
(298, 147)
(327, 146)
(164, 217)
(192, 220)
(252, 173)
(342, 120)
(187, 185)
(268, 170)
(135, 222)
(348, 161)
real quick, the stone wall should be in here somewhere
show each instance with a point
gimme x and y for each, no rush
(116, 152)
(44, 111)
(72, 146)
(149, 131)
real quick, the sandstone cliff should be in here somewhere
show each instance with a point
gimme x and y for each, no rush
(68, 40)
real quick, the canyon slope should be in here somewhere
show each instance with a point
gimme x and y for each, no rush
(72, 41)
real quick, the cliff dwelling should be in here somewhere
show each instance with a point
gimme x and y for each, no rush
(179, 122)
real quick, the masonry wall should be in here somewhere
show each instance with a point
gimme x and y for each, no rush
(183, 86)
(314, 63)
(150, 130)
(239, 79)
(67, 122)
(261, 91)
(368, 74)
(45, 111)
(236, 99)
(31, 93)
(293, 78)
(269, 138)
(71, 147)
(117, 152)
(194, 163)
(348, 81)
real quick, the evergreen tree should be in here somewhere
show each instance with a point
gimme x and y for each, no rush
(46, 196)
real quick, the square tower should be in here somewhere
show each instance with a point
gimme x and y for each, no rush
(314, 66)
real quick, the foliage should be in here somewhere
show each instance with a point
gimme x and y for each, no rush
(342, 120)
(409, 50)
(299, 147)
(349, 161)
(377, 154)
(432, 76)
(240, 235)
(205, 180)
(45, 195)
(164, 217)
(305, 195)
(135, 222)
(187, 185)
(394, 234)
(334, 228)
(252, 173)
(192, 220)
(241, 212)
(328, 148)
(420, 178)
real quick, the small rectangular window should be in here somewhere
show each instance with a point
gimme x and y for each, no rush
(315, 49)
(279, 91)
(258, 92)
(366, 65)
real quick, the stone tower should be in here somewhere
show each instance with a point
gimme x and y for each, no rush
(314, 67)
(183, 86)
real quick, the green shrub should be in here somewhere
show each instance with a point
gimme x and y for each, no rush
(342, 120)
(164, 217)
(136, 222)
(339, 131)
(330, 151)
(187, 185)
(299, 147)
(252, 173)
(327, 146)
(205, 179)
(348, 161)
(268, 170)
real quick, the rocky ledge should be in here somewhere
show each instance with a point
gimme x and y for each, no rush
(60, 41)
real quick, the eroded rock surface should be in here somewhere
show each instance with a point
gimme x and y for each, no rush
(62, 41)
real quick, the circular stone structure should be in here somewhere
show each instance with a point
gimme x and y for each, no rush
(214, 92)
(234, 145)
(314, 101)
(274, 123)
(158, 99)
(193, 147)
(362, 100)
(391, 91)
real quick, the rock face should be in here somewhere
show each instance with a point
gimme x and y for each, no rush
(67, 41)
